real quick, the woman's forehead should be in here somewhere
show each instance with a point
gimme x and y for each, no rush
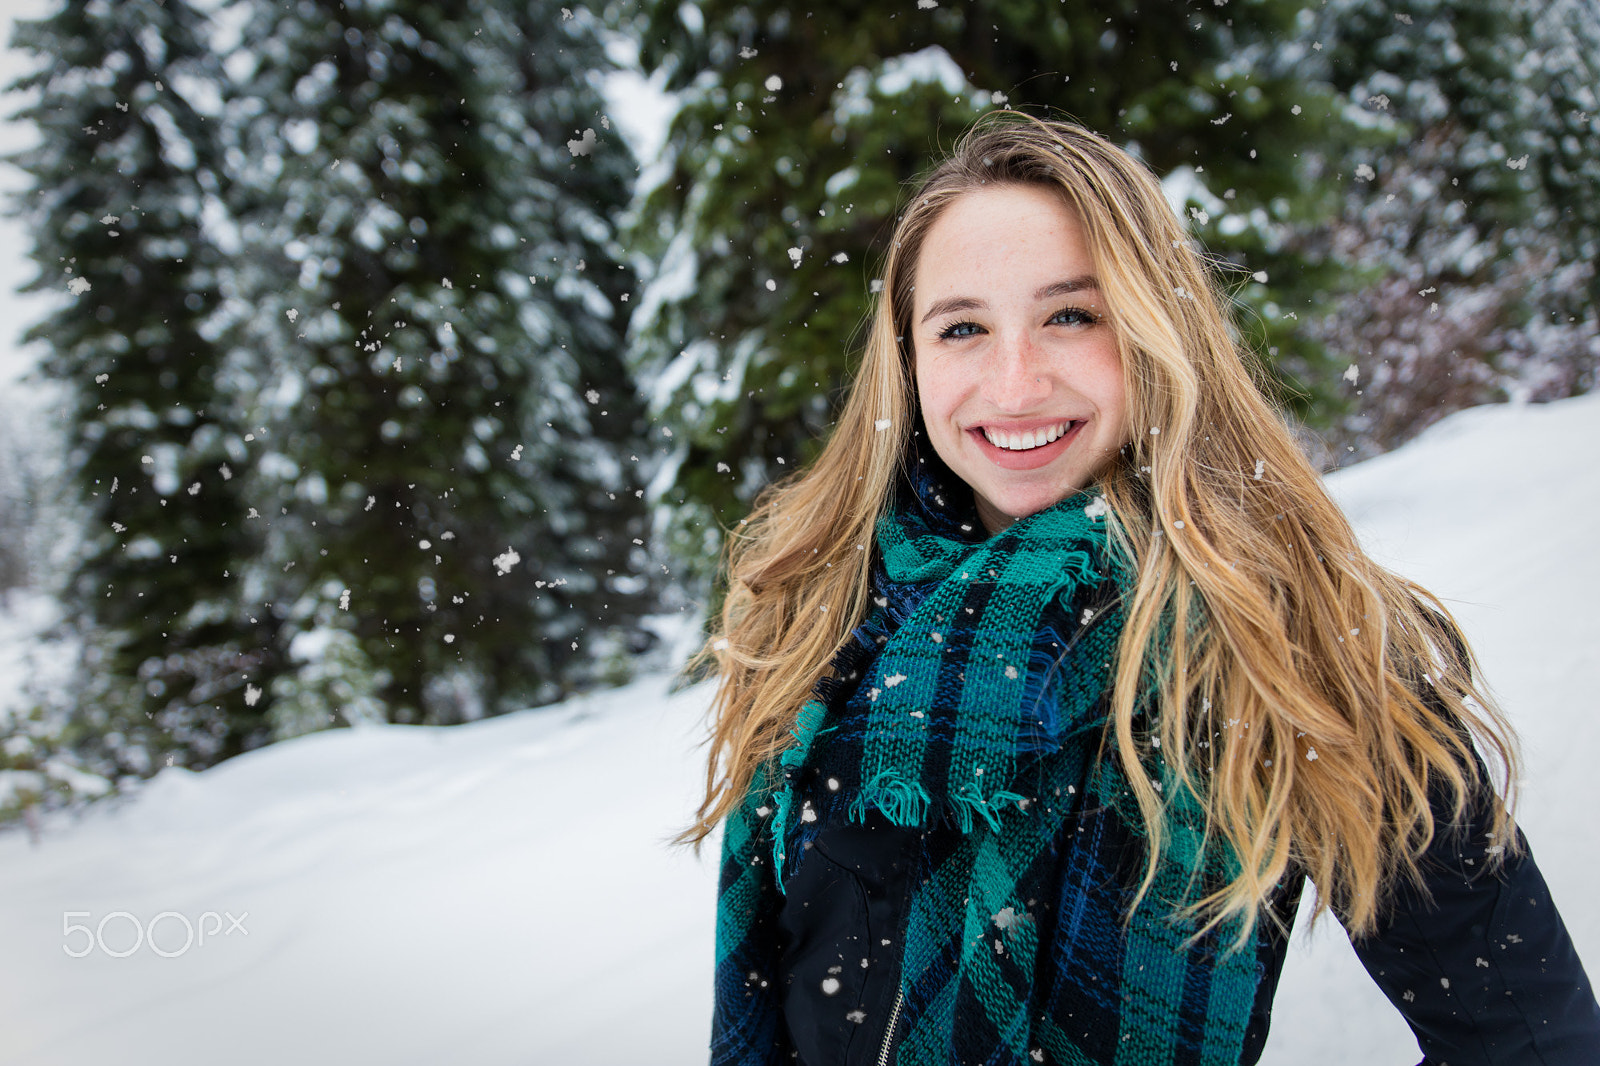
(1024, 238)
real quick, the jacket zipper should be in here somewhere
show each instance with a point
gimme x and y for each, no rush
(888, 1034)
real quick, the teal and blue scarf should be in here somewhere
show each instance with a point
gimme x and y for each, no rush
(971, 702)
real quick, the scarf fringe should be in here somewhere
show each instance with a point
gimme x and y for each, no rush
(905, 802)
(970, 800)
(902, 800)
(807, 727)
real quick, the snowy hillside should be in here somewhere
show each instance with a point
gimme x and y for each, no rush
(502, 893)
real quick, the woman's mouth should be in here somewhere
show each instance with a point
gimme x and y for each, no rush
(1026, 449)
(1026, 440)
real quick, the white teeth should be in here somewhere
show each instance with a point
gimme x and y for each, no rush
(1021, 442)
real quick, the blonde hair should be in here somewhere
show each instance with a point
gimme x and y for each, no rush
(1311, 700)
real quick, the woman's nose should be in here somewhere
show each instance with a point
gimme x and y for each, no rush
(1016, 378)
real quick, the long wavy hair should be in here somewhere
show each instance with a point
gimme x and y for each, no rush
(1320, 707)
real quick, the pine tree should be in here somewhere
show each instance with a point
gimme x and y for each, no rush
(1336, 155)
(451, 506)
(1476, 225)
(800, 131)
(122, 186)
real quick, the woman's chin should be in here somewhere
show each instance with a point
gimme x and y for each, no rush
(997, 514)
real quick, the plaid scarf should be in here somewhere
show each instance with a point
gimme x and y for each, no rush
(971, 702)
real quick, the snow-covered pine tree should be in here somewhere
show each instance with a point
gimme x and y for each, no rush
(447, 478)
(122, 187)
(800, 129)
(1473, 228)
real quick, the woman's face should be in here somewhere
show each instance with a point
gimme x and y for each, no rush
(1017, 369)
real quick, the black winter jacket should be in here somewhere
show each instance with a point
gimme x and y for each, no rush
(1477, 960)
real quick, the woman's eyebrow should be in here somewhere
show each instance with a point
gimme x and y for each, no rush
(951, 304)
(1062, 288)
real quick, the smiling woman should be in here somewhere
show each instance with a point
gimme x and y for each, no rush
(1047, 687)
(1016, 365)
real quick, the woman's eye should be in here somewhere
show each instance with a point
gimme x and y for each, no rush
(1074, 316)
(957, 330)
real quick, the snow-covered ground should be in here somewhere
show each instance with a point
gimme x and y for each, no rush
(502, 892)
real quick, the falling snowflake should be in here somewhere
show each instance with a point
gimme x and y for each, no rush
(79, 286)
(583, 145)
(506, 560)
